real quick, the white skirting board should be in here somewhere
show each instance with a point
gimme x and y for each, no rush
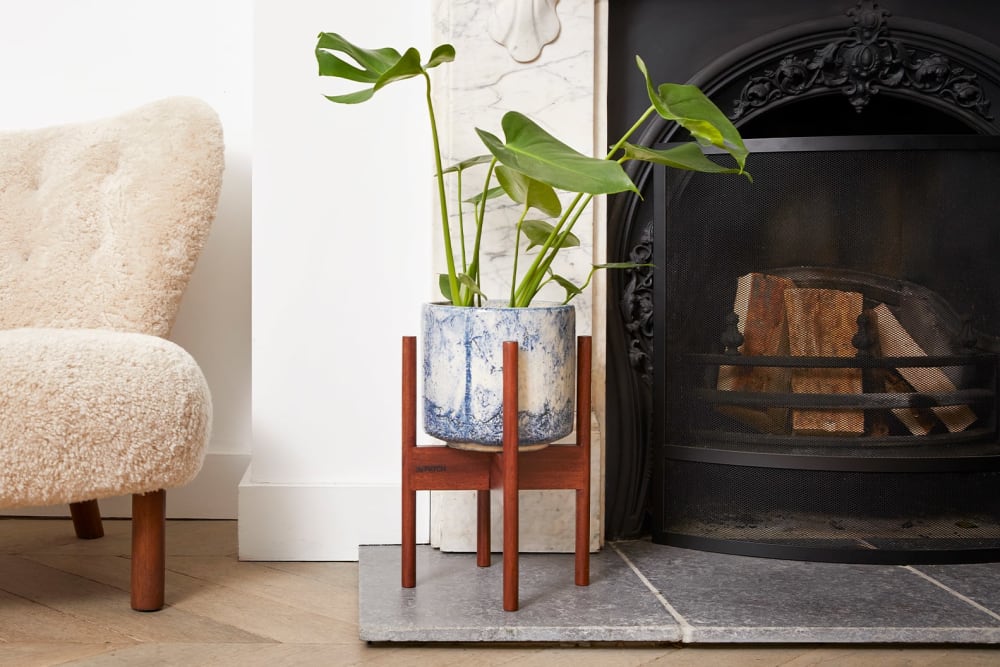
(321, 522)
(212, 494)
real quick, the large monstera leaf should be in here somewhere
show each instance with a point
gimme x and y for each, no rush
(691, 109)
(537, 154)
(379, 67)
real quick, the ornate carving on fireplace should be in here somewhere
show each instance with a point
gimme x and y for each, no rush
(867, 60)
(637, 307)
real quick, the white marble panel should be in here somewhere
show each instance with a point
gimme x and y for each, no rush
(557, 90)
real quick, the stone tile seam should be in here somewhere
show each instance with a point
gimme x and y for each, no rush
(843, 635)
(685, 627)
(963, 598)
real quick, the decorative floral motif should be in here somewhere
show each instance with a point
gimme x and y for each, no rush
(524, 26)
(866, 61)
(637, 307)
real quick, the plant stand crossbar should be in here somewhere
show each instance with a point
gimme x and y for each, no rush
(441, 468)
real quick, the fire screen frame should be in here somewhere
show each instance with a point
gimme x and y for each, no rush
(877, 473)
(759, 57)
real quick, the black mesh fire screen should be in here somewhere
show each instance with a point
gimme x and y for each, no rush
(826, 350)
(833, 515)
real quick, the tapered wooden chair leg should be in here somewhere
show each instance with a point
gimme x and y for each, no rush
(87, 519)
(148, 550)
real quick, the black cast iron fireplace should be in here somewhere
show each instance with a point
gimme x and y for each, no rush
(856, 419)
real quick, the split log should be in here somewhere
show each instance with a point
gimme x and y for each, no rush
(918, 420)
(895, 341)
(821, 322)
(922, 321)
(760, 305)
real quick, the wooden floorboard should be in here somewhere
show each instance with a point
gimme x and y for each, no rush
(65, 601)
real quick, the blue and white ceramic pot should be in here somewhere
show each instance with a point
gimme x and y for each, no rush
(463, 372)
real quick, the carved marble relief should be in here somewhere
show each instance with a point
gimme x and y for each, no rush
(524, 26)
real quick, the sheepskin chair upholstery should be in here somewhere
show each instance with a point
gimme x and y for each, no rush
(100, 227)
(88, 413)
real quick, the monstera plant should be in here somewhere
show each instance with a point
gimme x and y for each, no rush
(463, 393)
(530, 166)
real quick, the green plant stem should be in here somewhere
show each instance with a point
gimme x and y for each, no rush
(534, 270)
(461, 220)
(635, 126)
(480, 219)
(569, 297)
(584, 286)
(517, 248)
(543, 261)
(532, 281)
(449, 255)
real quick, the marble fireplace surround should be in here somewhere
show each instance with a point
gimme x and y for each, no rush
(544, 58)
(548, 59)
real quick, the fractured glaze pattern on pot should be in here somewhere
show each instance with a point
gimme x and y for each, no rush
(463, 371)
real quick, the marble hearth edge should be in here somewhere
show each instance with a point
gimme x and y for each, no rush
(562, 90)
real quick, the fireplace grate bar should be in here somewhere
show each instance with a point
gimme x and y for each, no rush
(722, 437)
(842, 362)
(869, 401)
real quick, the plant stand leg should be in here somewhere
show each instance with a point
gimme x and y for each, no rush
(435, 468)
(483, 528)
(510, 475)
(583, 378)
(448, 469)
(409, 442)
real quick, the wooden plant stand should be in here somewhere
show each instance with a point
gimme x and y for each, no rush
(441, 468)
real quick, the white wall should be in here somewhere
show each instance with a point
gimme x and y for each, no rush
(72, 60)
(341, 262)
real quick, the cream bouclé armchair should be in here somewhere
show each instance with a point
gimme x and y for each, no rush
(100, 227)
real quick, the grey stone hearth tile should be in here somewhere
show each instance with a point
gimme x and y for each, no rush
(455, 601)
(723, 598)
(979, 582)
